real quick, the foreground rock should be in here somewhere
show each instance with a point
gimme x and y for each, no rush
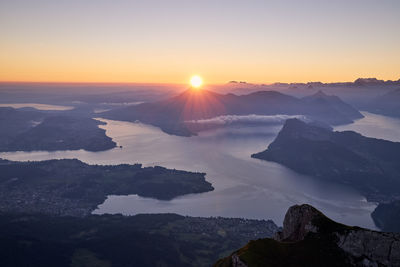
(369, 165)
(309, 238)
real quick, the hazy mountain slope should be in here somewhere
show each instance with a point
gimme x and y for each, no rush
(16, 121)
(30, 129)
(62, 133)
(330, 108)
(387, 104)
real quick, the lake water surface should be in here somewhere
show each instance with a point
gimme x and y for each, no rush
(244, 187)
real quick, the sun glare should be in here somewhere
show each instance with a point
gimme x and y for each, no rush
(196, 81)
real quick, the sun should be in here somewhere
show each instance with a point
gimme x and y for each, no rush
(196, 81)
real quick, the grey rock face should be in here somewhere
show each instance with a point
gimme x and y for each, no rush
(298, 223)
(373, 247)
(236, 262)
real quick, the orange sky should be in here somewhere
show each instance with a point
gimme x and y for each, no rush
(151, 41)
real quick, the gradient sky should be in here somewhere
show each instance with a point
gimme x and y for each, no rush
(168, 41)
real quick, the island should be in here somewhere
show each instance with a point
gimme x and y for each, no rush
(371, 166)
(29, 130)
(71, 187)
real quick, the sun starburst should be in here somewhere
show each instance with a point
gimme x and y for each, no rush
(196, 81)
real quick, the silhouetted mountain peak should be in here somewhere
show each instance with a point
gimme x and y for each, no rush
(368, 81)
(320, 93)
(301, 220)
(295, 128)
(192, 93)
(267, 93)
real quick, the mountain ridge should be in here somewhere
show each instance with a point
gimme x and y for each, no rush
(172, 115)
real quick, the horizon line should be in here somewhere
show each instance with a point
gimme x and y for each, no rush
(181, 83)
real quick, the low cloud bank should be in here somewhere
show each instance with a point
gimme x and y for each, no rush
(232, 119)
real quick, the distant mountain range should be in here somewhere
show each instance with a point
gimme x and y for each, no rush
(358, 93)
(309, 238)
(357, 82)
(370, 165)
(177, 115)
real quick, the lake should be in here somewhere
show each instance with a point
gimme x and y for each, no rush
(244, 187)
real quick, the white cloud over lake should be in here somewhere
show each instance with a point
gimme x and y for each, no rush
(252, 118)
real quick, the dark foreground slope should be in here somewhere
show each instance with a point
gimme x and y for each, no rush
(119, 241)
(370, 165)
(71, 187)
(174, 114)
(28, 130)
(311, 239)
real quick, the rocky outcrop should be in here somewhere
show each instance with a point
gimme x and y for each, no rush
(309, 238)
(298, 223)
